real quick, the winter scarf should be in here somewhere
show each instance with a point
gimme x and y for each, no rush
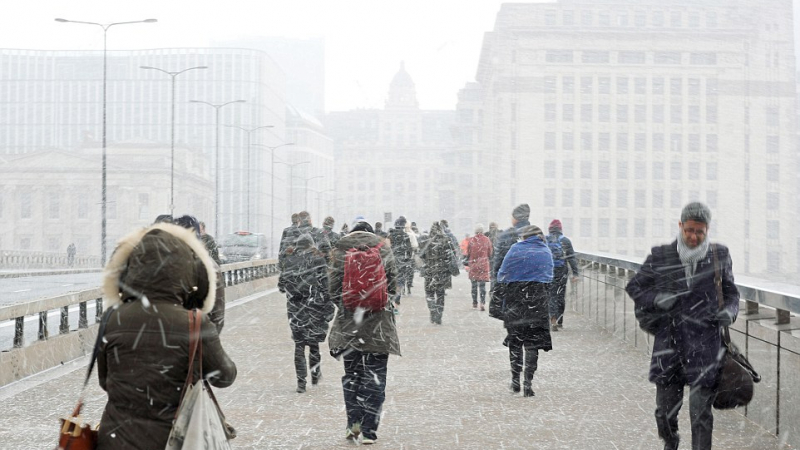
(690, 256)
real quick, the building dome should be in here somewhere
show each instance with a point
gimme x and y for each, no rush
(402, 90)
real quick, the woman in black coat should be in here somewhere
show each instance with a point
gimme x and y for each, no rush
(439, 258)
(304, 279)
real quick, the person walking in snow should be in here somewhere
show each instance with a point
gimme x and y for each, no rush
(478, 256)
(439, 258)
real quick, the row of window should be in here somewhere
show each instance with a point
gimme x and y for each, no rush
(638, 19)
(629, 57)
(655, 85)
(601, 198)
(658, 113)
(657, 142)
(640, 170)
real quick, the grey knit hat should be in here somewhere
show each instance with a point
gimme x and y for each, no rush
(696, 211)
(521, 212)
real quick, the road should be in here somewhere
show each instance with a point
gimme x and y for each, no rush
(18, 290)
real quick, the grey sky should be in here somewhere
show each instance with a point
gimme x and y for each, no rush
(439, 40)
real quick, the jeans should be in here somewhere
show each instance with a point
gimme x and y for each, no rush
(515, 355)
(364, 387)
(557, 294)
(475, 286)
(300, 360)
(669, 399)
(435, 301)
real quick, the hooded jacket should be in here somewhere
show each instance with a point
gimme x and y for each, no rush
(368, 332)
(153, 276)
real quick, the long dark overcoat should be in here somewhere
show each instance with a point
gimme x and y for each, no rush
(308, 305)
(526, 315)
(438, 256)
(686, 349)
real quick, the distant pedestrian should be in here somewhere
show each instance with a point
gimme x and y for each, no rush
(403, 254)
(564, 260)
(493, 233)
(523, 280)
(288, 236)
(409, 276)
(379, 230)
(478, 257)
(210, 243)
(464, 244)
(676, 286)
(327, 231)
(304, 279)
(71, 254)
(345, 230)
(363, 276)
(439, 258)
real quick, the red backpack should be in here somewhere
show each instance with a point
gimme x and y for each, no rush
(365, 285)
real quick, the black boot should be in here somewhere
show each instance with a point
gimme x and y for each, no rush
(301, 386)
(527, 385)
(316, 375)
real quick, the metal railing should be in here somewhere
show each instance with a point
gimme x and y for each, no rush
(767, 331)
(23, 259)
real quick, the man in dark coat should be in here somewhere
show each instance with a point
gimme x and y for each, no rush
(438, 257)
(676, 282)
(509, 237)
(304, 226)
(327, 231)
(562, 264)
(403, 254)
(288, 236)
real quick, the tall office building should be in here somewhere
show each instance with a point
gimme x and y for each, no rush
(611, 115)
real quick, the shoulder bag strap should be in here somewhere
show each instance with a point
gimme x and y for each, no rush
(101, 330)
(726, 336)
(194, 344)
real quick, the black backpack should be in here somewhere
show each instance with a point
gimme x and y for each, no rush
(401, 244)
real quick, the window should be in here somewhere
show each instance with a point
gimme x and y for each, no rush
(567, 170)
(773, 172)
(676, 19)
(703, 59)
(587, 84)
(676, 142)
(694, 170)
(640, 19)
(694, 114)
(669, 58)
(773, 117)
(622, 19)
(54, 210)
(586, 228)
(711, 19)
(694, 86)
(676, 200)
(773, 261)
(622, 228)
(604, 142)
(603, 170)
(604, 19)
(658, 170)
(676, 170)
(568, 141)
(622, 85)
(586, 113)
(603, 228)
(694, 143)
(773, 201)
(604, 85)
(568, 18)
(711, 199)
(586, 141)
(675, 86)
(658, 113)
(144, 206)
(593, 57)
(622, 198)
(694, 20)
(658, 18)
(658, 142)
(640, 142)
(568, 112)
(640, 86)
(622, 113)
(638, 228)
(711, 143)
(641, 170)
(550, 141)
(559, 56)
(711, 171)
(586, 18)
(604, 198)
(568, 85)
(549, 197)
(25, 201)
(676, 114)
(567, 198)
(639, 198)
(586, 170)
(549, 85)
(711, 114)
(773, 229)
(622, 142)
(631, 57)
(550, 18)
(82, 207)
(550, 112)
(639, 113)
(658, 199)
(773, 144)
(549, 169)
(712, 87)
(586, 198)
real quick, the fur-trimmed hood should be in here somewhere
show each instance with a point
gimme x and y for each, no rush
(163, 262)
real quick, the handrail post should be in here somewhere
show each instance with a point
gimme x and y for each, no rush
(19, 331)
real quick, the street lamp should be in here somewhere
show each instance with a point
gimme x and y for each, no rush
(248, 131)
(306, 187)
(272, 191)
(216, 169)
(172, 145)
(105, 28)
(291, 178)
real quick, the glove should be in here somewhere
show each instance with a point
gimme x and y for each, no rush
(724, 318)
(665, 300)
(282, 289)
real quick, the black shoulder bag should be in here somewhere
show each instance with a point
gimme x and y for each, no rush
(736, 377)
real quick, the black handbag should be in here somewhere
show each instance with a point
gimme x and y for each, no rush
(735, 386)
(496, 302)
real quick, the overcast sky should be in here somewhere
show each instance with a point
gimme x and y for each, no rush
(439, 40)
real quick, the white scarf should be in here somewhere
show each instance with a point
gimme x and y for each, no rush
(690, 256)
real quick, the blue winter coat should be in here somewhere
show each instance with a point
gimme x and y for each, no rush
(687, 347)
(528, 260)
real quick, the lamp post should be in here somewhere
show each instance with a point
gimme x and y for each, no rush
(291, 178)
(319, 200)
(173, 75)
(249, 169)
(272, 191)
(105, 28)
(217, 107)
(306, 188)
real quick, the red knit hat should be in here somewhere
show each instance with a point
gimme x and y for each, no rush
(555, 225)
